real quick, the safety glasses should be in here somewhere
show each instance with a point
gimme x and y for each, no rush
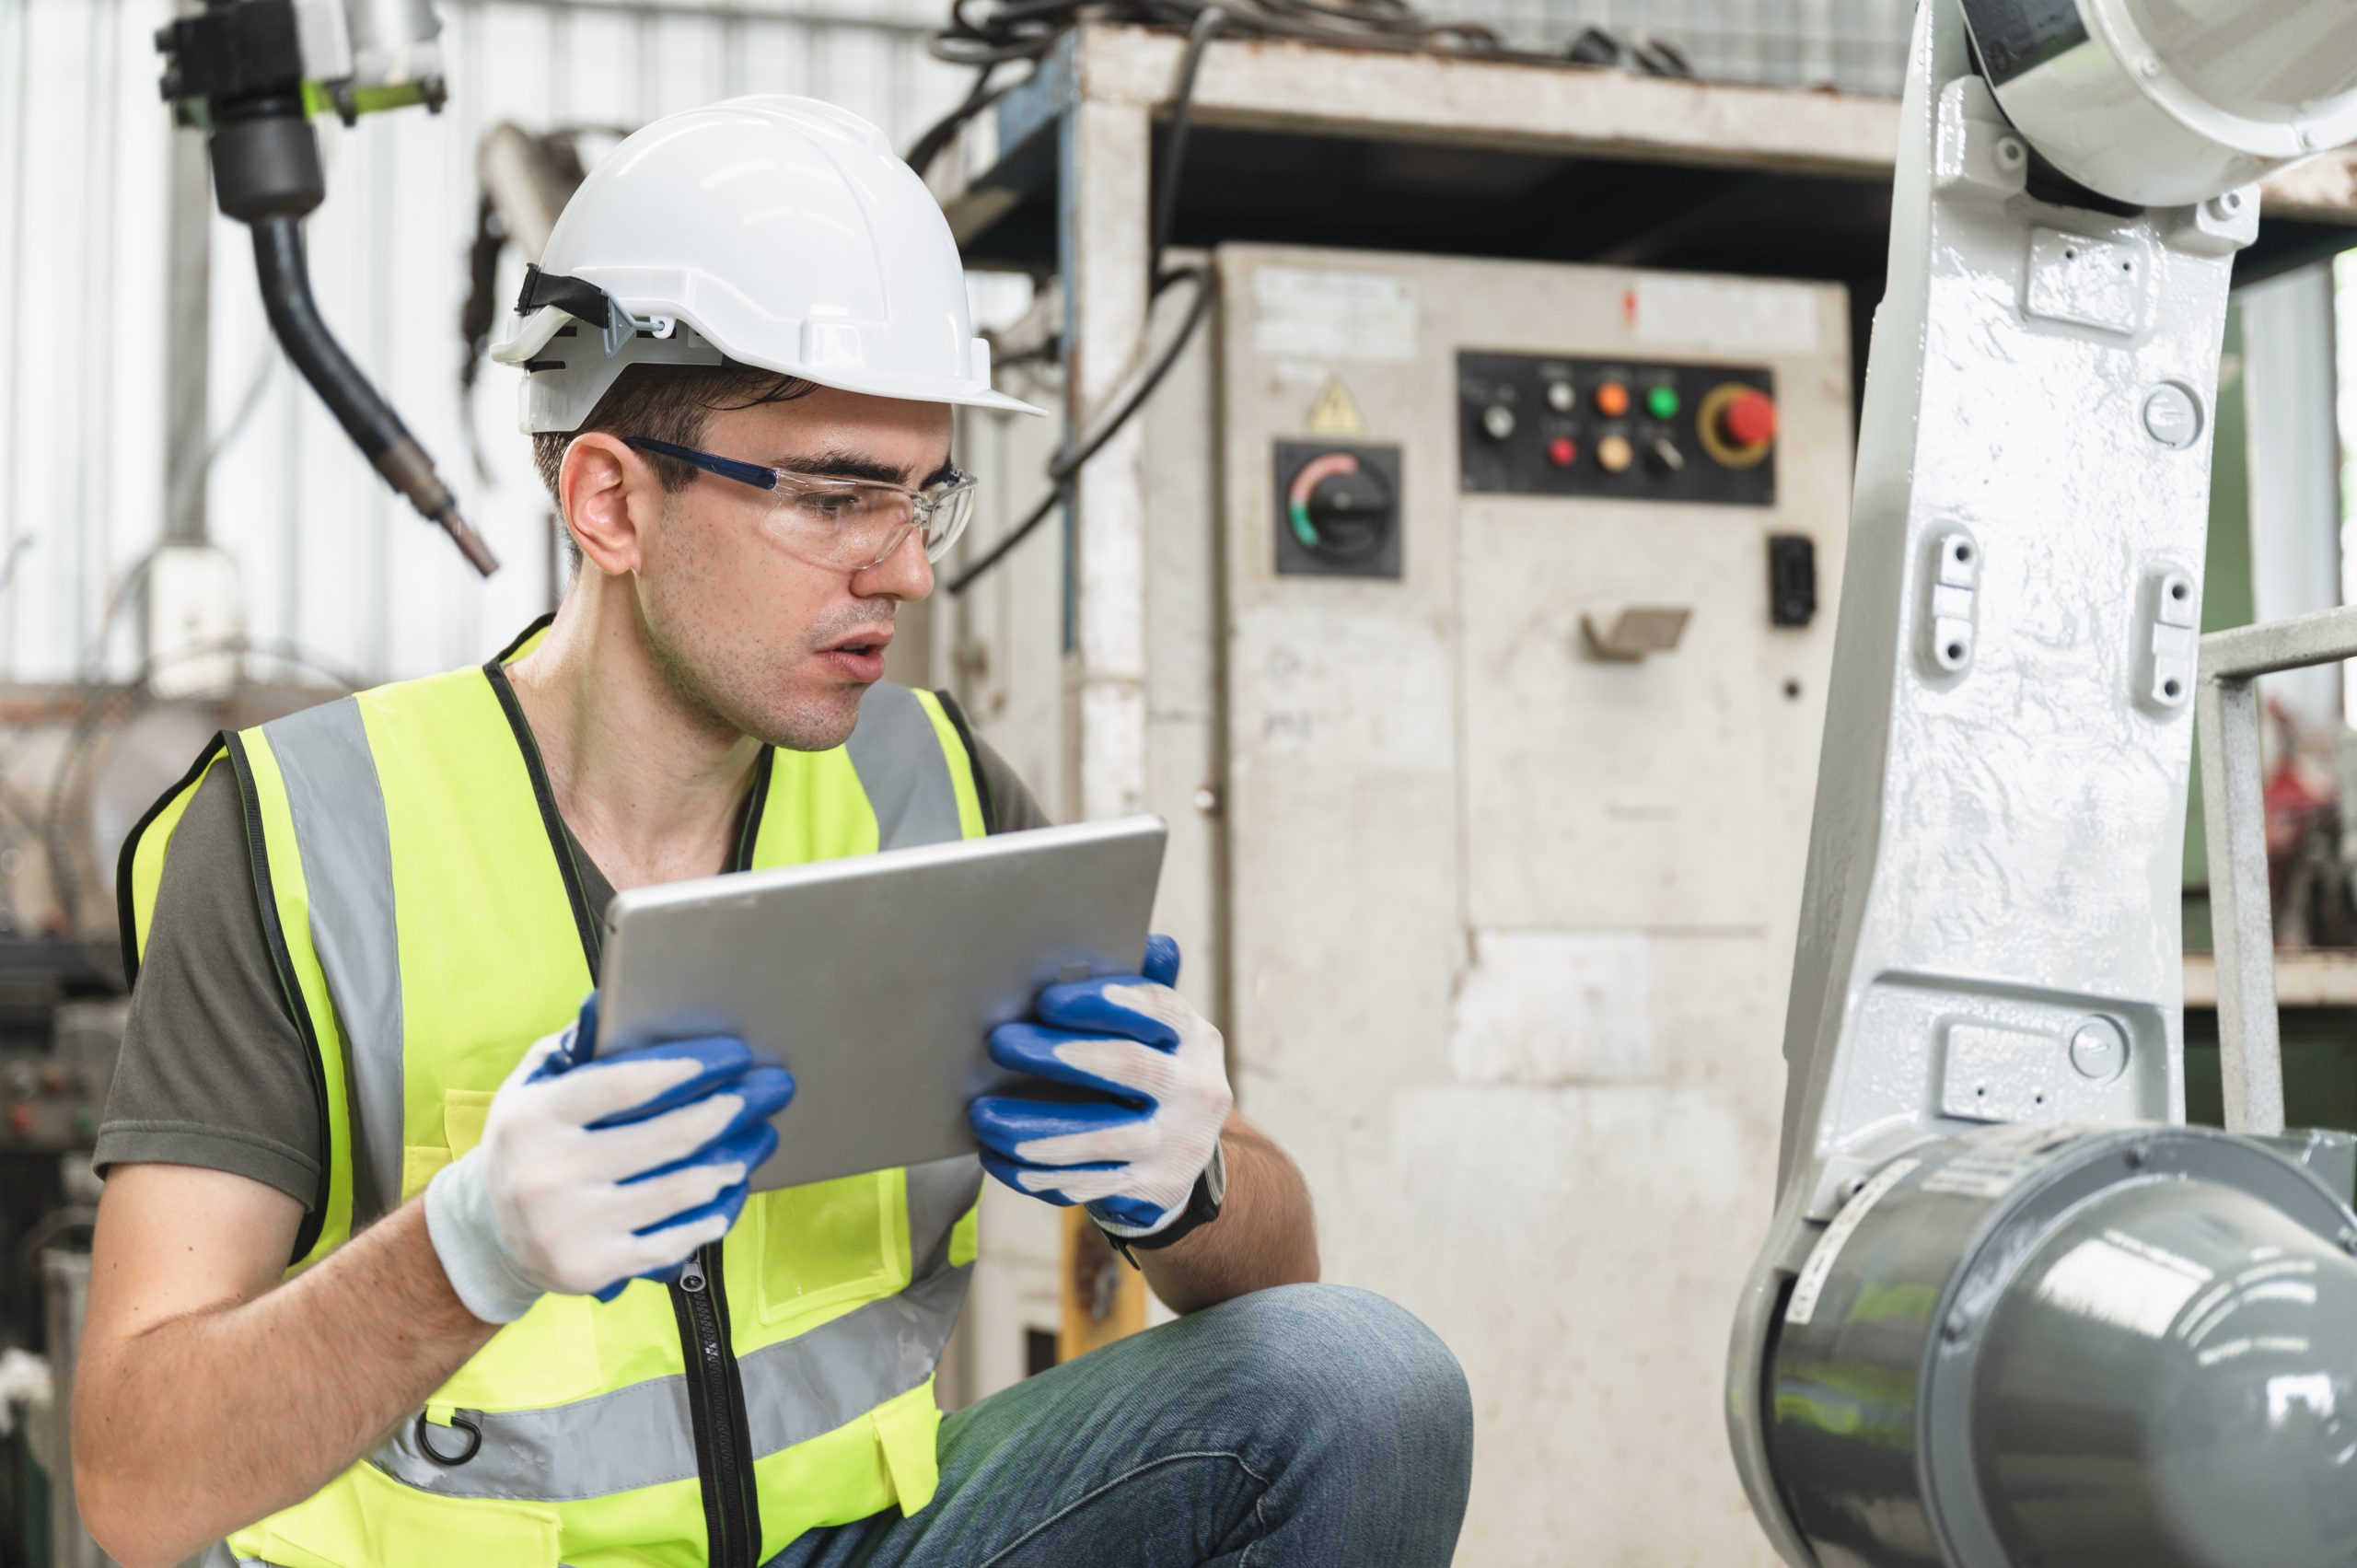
(844, 525)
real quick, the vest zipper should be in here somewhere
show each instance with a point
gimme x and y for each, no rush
(732, 1510)
(732, 1516)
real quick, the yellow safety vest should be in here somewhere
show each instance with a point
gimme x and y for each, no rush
(427, 923)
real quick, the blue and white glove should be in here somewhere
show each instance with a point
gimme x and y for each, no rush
(1154, 1096)
(593, 1172)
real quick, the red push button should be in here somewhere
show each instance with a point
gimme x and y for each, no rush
(1563, 451)
(20, 1120)
(1750, 420)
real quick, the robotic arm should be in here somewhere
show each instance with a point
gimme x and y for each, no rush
(2012, 1311)
(249, 73)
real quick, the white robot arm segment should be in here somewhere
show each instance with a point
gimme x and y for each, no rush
(2162, 104)
(1960, 1347)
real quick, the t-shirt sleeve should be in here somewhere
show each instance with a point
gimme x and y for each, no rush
(212, 1071)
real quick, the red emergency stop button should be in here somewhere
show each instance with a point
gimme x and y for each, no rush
(1750, 420)
(1563, 451)
(1737, 425)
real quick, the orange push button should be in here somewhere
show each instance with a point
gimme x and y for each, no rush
(1612, 399)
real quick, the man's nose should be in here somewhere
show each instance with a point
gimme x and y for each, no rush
(904, 574)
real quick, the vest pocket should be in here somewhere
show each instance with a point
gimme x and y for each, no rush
(830, 1244)
(549, 1356)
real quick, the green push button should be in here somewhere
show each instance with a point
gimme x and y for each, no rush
(1661, 402)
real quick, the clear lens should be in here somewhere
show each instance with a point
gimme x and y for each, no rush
(950, 513)
(849, 525)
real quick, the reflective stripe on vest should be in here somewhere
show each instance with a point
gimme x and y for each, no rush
(338, 810)
(795, 1389)
(412, 887)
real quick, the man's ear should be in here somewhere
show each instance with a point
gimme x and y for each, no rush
(609, 495)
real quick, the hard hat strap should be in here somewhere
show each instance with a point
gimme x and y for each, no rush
(583, 301)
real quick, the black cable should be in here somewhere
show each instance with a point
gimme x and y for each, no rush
(986, 34)
(1061, 471)
(1174, 147)
(928, 147)
(1207, 24)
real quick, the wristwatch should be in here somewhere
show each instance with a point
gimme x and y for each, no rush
(1203, 1207)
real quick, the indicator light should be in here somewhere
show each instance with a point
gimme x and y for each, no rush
(1613, 454)
(1612, 399)
(1563, 451)
(1663, 402)
(1562, 396)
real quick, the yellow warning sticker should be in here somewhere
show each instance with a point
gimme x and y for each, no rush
(1334, 414)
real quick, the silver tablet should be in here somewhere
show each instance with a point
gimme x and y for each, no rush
(876, 979)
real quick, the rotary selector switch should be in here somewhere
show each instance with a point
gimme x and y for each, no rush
(1340, 509)
(1336, 506)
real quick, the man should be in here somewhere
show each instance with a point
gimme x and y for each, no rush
(377, 1280)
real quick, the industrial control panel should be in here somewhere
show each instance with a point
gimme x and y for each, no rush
(1484, 620)
(51, 1098)
(1524, 623)
(49, 1105)
(1536, 425)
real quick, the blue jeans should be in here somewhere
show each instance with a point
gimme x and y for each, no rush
(1309, 1426)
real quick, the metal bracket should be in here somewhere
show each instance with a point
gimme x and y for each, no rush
(1952, 613)
(2171, 621)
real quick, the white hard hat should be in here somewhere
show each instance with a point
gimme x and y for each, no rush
(778, 232)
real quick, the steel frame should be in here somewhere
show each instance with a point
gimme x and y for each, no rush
(2227, 721)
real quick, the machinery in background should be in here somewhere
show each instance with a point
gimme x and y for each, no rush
(2012, 1311)
(249, 73)
(78, 765)
(1484, 677)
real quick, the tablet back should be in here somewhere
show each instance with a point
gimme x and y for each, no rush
(876, 979)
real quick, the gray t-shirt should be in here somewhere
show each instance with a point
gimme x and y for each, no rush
(212, 1072)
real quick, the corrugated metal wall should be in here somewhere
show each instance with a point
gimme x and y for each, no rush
(331, 562)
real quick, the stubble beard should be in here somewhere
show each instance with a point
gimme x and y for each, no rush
(814, 723)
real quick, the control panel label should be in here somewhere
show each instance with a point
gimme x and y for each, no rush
(1724, 315)
(1318, 313)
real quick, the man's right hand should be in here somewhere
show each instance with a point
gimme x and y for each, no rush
(591, 1175)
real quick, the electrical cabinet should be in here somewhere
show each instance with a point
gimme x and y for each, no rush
(1484, 682)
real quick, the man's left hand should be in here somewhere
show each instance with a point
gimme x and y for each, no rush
(1153, 1095)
